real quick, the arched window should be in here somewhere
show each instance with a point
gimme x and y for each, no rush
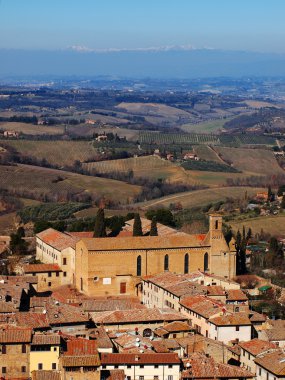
(206, 262)
(139, 266)
(186, 263)
(166, 262)
(216, 224)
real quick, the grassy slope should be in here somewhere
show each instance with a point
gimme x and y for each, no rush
(31, 129)
(55, 152)
(201, 197)
(251, 161)
(40, 180)
(275, 225)
(206, 153)
(212, 126)
(147, 166)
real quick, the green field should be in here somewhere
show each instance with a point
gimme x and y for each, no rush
(202, 197)
(36, 180)
(159, 138)
(212, 126)
(55, 152)
(275, 225)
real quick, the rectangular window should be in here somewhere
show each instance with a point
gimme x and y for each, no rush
(49, 274)
(57, 274)
(49, 283)
(156, 366)
(23, 369)
(129, 366)
(141, 366)
(169, 377)
(24, 349)
(64, 261)
(40, 366)
(237, 328)
(4, 349)
(64, 274)
(155, 377)
(4, 369)
(141, 377)
(259, 371)
(53, 365)
(128, 377)
(123, 287)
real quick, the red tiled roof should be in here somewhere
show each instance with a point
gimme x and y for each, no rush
(237, 319)
(33, 320)
(41, 268)
(139, 359)
(13, 334)
(257, 346)
(46, 339)
(81, 361)
(236, 295)
(273, 362)
(79, 346)
(202, 367)
(81, 234)
(57, 240)
(136, 315)
(46, 375)
(202, 305)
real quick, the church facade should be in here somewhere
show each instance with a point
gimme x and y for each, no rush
(115, 266)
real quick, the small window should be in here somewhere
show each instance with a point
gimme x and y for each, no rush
(141, 366)
(166, 262)
(53, 365)
(4, 349)
(64, 261)
(259, 371)
(169, 377)
(49, 284)
(40, 366)
(57, 274)
(54, 348)
(170, 366)
(116, 366)
(104, 366)
(23, 369)
(156, 366)
(237, 328)
(4, 369)
(128, 377)
(129, 366)
(141, 377)
(216, 224)
(123, 287)
(24, 349)
(49, 274)
(64, 274)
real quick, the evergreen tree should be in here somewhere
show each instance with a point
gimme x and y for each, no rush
(100, 228)
(137, 228)
(240, 255)
(269, 193)
(249, 234)
(153, 227)
(283, 202)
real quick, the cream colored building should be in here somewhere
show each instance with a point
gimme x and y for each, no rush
(105, 266)
(143, 366)
(45, 352)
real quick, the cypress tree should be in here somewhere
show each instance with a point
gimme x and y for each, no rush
(100, 228)
(153, 227)
(137, 228)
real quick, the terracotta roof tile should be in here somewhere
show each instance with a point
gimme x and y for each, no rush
(57, 240)
(105, 304)
(79, 347)
(81, 361)
(203, 306)
(257, 346)
(139, 359)
(274, 362)
(46, 339)
(41, 268)
(237, 319)
(236, 295)
(136, 315)
(13, 334)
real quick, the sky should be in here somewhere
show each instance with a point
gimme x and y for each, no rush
(254, 25)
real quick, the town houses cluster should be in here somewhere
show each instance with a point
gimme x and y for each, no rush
(163, 307)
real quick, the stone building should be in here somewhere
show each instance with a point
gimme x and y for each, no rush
(105, 266)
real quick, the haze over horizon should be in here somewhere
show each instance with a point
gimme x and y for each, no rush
(142, 38)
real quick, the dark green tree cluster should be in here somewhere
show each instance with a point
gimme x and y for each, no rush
(137, 227)
(153, 227)
(162, 215)
(100, 226)
(274, 257)
(18, 245)
(241, 243)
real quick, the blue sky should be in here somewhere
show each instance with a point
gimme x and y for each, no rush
(256, 25)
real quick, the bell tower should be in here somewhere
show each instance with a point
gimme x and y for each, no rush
(222, 257)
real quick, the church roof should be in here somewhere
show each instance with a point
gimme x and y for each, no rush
(142, 242)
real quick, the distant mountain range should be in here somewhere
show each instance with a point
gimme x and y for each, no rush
(169, 62)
